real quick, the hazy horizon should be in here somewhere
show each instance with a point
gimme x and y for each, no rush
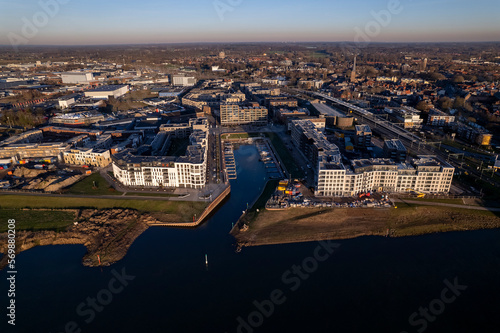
(93, 23)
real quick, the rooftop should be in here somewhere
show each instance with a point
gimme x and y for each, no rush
(108, 88)
(328, 111)
(395, 144)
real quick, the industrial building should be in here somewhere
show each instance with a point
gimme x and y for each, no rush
(67, 101)
(333, 116)
(183, 81)
(104, 92)
(77, 77)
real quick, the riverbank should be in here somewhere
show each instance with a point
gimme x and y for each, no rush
(315, 224)
(107, 233)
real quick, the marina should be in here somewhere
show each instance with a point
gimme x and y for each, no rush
(229, 162)
(273, 168)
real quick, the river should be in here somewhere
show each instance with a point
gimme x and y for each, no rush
(369, 284)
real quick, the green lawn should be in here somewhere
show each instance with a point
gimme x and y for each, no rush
(167, 195)
(184, 210)
(236, 136)
(35, 219)
(285, 156)
(86, 186)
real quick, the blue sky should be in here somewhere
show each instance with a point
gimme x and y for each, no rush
(153, 21)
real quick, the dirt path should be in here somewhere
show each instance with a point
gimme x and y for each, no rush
(304, 224)
(428, 203)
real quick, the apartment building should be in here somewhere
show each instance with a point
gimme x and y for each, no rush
(363, 136)
(309, 139)
(181, 130)
(234, 114)
(424, 174)
(88, 156)
(408, 116)
(184, 130)
(395, 149)
(187, 171)
(440, 118)
(279, 101)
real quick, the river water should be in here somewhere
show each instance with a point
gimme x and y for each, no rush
(369, 284)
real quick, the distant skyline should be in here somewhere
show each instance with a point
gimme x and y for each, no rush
(49, 22)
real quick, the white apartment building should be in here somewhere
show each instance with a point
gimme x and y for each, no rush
(167, 171)
(156, 172)
(425, 174)
(233, 114)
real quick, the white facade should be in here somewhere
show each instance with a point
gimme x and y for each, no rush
(189, 175)
(424, 175)
(77, 78)
(183, 81)
(168, 171)
(66, 103)
(105, 92)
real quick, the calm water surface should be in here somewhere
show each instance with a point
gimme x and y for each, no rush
(368, 284)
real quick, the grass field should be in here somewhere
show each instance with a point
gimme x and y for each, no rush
(312, 224)
(236, 136)
(86, 186)
(165, 195)
(185, 210)
(36, 220)
(446, 201)
(285, 156)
